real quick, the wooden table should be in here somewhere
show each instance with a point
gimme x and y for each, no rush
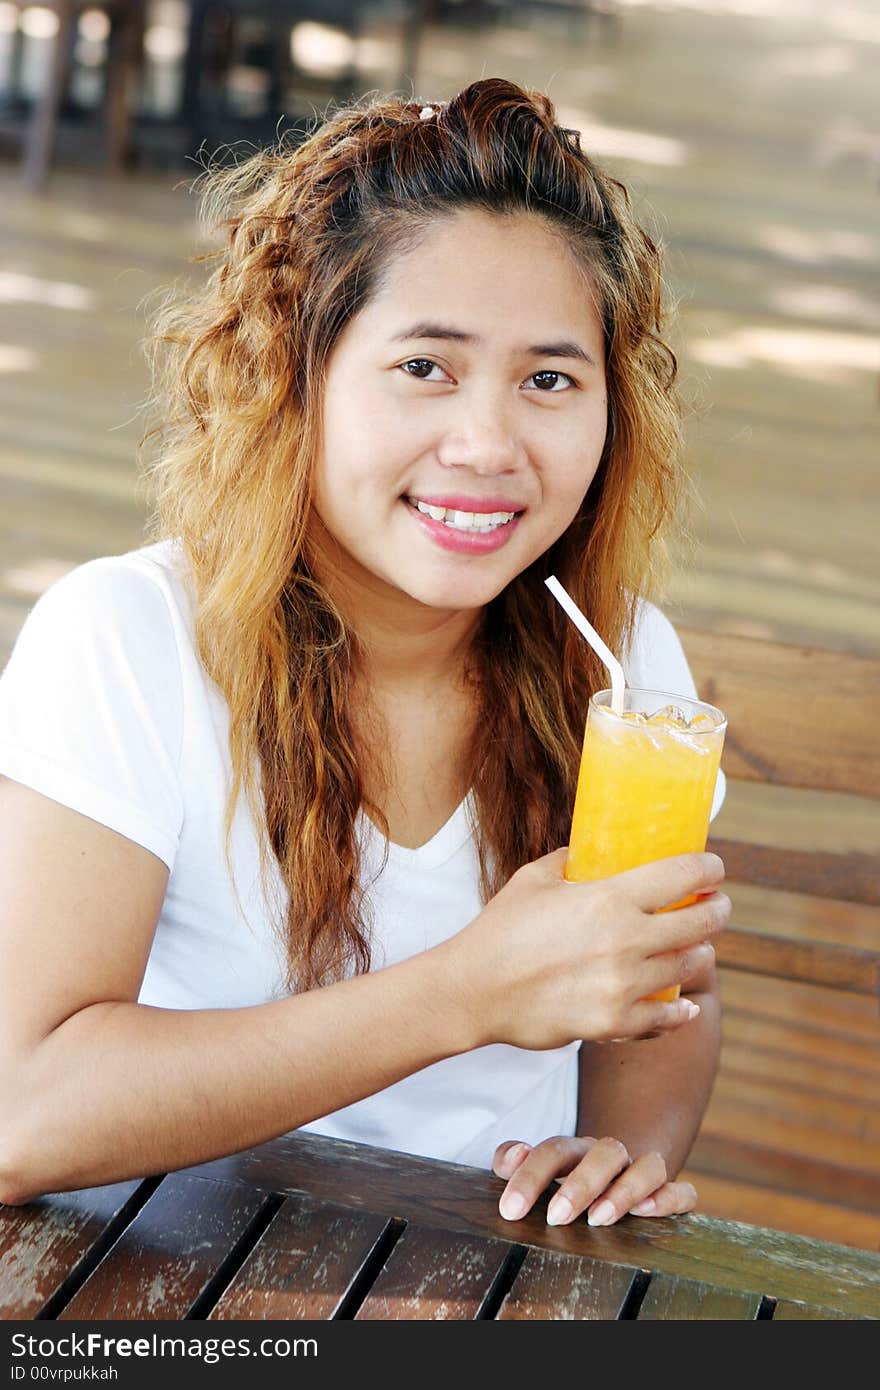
(311, 1228)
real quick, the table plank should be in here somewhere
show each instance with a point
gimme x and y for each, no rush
(41, 1243)
(671, 1299)
(433, 1274)
(169, 1253)
(457, 1197)
(305, 1264)
(553, 1286)
(787, 1310)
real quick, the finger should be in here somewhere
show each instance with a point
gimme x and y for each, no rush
(547, 1160)
(654, 886)
(685, 926)
(599, 1167)
(652, 1018)
(671, 1199)
(508, 1156)
(675, 968)
(643, 1176)
(553, 864)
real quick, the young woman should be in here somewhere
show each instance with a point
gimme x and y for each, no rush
(287, 791)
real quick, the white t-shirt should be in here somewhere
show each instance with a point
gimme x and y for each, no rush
(106, 708)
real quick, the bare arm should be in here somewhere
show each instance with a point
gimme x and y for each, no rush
(121, 1090)
(652, 1094)
(640, 1104)
(95, 1088)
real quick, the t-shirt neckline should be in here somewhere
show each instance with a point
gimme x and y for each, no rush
(436, 851)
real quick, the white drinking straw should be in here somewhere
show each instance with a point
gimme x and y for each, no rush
(615, 670)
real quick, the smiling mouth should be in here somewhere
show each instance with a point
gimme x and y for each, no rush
(464, 521)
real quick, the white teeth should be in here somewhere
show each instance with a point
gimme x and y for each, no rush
(464, 521)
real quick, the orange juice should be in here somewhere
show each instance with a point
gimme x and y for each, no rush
(645, 785)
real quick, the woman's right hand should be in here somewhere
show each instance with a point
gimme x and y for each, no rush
(548, 961)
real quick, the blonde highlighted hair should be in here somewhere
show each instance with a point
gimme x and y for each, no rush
(239, 370)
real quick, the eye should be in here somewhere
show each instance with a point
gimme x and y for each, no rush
(421, 368)
(419, 363)
(556, 378)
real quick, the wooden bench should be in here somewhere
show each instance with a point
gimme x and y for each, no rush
(791, 1139)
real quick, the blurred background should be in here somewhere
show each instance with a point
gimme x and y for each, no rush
(749, 134)
(748, 130)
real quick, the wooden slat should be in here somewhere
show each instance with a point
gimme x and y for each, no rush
(670, 1299)
(788, 1311)
(741, 1056)
(168, 1254)
(732, 1114)
(724, 1153)
(779, 700)
(305, 1263)
(798, 818)
(840, 1016)
(796, 1102)
(460, 1198)
(552, 1286)
(41, 1243)
(780, 1211)
(854, 1060)
(433, 1275)
(744, 1109)
(819, 843)
(852, 1120)
(855, 877)
(724, 598)
(800, 917)
(811, 962)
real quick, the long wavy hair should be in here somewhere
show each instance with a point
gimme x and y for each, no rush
(238, 374)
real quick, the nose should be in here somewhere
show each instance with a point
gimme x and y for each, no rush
(482, 439)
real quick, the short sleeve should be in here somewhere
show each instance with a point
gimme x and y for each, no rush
(91, 707)
(655, 660)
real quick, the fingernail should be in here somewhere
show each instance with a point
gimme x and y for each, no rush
(644, 1208)
(603, 1215)
(559, 1211)
(517, 1151)
(512, 1206)
(692, 1009)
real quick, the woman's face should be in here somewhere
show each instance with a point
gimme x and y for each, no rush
(474, 380)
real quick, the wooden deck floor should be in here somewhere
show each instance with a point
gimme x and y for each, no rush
(752, 145)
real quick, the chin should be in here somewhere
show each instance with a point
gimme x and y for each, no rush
(456, 597)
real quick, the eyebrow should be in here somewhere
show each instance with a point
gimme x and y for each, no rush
(563, 348)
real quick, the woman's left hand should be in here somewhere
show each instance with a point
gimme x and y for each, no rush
(597, 1176)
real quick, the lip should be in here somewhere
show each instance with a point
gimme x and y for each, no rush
(460, 503)
(463, 542)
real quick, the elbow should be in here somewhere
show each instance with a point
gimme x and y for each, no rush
(15, 1189)
(11, 1196)
(13, 1186)
(18, 1181)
